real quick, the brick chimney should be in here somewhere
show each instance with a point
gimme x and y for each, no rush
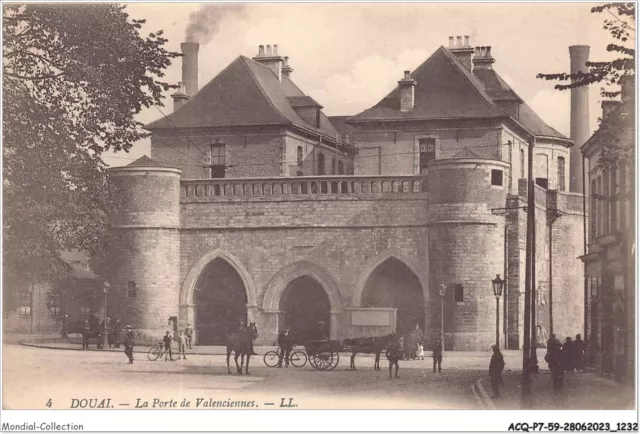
(462, 50)
(483, 58)
(286, 69)
(407, 86)
(579, 132)
(190, 67)
(180, 97)
(271, 59)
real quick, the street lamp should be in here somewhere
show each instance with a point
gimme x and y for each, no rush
(105, 337)
(498, 284)
(442, 289)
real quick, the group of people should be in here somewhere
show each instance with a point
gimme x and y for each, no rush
(184, 339)
(562, 358)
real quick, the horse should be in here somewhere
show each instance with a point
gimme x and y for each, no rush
(373, 345)
(240, 343)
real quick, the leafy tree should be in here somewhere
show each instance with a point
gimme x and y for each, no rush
(75, 76)
(621, 25)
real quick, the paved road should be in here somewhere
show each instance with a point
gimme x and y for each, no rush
(33, 376)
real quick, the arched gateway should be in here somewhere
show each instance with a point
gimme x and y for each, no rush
(217, 293)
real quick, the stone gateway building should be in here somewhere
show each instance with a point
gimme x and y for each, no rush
(255, 206)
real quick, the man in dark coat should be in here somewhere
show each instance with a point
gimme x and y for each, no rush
(496, 365)
(86, 329)
(167, 346)
(189, 334)
(578, 353)
(65, 327)
(285, 342)
(554, 359)
(436, 350)
(129, 343)
(567, 355)
(394, 351)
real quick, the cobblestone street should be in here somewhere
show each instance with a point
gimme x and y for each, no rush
(32, 376)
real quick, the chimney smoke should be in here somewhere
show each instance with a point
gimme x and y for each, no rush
(190, 66)
(204, 23)
(579, 55)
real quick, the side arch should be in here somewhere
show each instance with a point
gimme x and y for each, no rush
(279, 282)
(414, 266)
(189, 285)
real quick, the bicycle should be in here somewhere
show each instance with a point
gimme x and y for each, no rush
(156, 351)
(297, 358)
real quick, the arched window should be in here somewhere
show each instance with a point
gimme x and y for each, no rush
(321, 166)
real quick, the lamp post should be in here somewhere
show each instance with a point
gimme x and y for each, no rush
(105, 337)
(498, 284)
(442, 289)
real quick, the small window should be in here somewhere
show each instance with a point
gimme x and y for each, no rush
(521, 163)
(340, 168)
(131, 289)
(561, 178)
(217, 162)
(459, 293)
(543, 182)
(85, 309)
(299, 156)
(427, 152)
(321, 166)
(25, 303)
(496, 177)
(54, 304)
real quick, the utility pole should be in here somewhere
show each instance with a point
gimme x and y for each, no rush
(525, 397)
(533, 359)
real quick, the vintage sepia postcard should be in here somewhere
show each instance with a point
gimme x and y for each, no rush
(232, 210)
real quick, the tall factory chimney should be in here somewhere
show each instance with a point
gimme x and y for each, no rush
(579, 55)
(190, 67)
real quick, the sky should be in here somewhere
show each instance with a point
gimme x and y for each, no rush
(348, 56)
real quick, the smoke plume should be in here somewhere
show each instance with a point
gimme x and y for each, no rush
(204, 23)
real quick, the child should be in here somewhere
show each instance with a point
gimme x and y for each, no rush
(167, 346)
(421, 350)
(182, 339)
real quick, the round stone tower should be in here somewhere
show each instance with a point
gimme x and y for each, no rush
(145, 254)
(466, 248)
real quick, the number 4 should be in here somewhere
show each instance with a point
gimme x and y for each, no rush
(49, 403)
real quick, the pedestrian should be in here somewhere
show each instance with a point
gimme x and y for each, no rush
(554, 359)
(117, 332)
(129, 343)
(567, 355)
(189, 334)
(167, 346)
(436, 353)
(285, 342)
(182, 339)
(578, 351)
(394, 352)
(86, 329)
(416, 336)
(108, 329)
(65, 326)
(421, 350)
(496, 365)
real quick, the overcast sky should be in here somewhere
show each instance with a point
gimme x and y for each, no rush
(349, 56)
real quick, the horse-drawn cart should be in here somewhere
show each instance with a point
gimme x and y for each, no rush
(324, 355)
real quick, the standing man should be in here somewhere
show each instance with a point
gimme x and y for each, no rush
(554, 358)
(116, 333)
(416, 336)
(578, 350)
(286, 344)
(437, 355)
(394, 352)
(182, 339)
(189, 335)
(496, 365)
(167, 346)
(86, 329)
(65, 326)
(129, 343)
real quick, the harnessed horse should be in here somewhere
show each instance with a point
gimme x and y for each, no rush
(372, 345)
(241, 343)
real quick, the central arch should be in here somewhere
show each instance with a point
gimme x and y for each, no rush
(279, 287)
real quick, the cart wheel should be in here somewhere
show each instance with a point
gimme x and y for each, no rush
(312, 360)
(336, 360)
(324, 357)
(298, 359)
(271, 359)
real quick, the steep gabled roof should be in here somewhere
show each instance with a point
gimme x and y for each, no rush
(466, 153)
(244, 93)
(447, 89)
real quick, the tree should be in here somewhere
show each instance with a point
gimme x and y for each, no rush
(75, 76)
(621, 25)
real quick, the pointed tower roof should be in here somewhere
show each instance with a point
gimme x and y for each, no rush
(466, 153)
(144, 161)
